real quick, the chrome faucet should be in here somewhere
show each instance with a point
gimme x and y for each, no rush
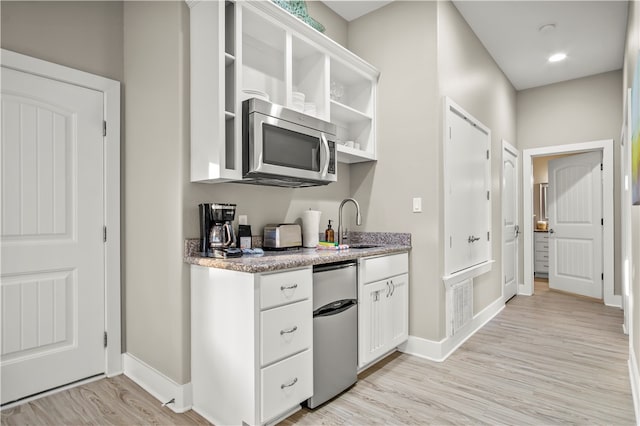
(342, 234)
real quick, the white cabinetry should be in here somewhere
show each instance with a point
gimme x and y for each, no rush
(541, 254)
(238, 46)
(251, 344)
(383, 315)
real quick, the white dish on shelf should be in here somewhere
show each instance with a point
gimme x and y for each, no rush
(253, 93)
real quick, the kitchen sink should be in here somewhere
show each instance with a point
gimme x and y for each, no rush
(363, 246)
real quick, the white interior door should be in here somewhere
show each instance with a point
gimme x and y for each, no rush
(510, 230)
(575, 222)
(467, 192)
(52, 276)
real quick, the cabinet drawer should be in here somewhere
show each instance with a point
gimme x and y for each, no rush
(542, 255)
(285, 287)
(379, 268)
(541, 266)
(541, 237)
(542, 245)
(285, 331)
(285, 384)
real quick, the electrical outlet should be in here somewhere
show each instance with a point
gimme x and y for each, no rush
(417, 205)
(242, 219)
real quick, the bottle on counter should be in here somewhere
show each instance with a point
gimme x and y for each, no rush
(329, 235)
(244, 235)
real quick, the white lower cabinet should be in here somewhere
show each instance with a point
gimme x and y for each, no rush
(251, 344)
(383, 316)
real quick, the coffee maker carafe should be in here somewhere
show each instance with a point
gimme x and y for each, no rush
(217, 238)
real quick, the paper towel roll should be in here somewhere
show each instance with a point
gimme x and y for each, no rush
(310, 227)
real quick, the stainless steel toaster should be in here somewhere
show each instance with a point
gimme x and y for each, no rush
(282, 236)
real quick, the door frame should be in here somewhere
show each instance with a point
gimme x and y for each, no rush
(111, 92)
(606, 146)
(507, 147)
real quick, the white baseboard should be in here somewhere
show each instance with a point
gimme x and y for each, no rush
(157, 384)
(634, 378)
(439, 351)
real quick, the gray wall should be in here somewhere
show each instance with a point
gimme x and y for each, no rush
(400, 40)
(161, 203)
(630, 61)
(425, 51)
(470, 77)
(82, 35)
(581, 110)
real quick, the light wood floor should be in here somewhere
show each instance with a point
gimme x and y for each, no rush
(548, 359)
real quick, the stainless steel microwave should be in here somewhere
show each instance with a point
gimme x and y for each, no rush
(282, 147)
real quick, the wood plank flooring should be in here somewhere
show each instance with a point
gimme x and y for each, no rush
(547, 359)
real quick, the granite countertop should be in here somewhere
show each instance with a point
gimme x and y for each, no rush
(278, 260)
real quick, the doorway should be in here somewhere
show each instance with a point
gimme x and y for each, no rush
(606, 148)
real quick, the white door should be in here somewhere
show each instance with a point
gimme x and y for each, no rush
(510, 228)
(575, 222)
(52, 267)
(468, 204)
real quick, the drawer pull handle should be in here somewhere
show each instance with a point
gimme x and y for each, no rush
(288, 287)
(288, 385)
(290, 330)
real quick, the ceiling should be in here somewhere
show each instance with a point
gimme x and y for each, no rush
(591, 33)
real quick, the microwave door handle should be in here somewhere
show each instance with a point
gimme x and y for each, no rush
(327, 152)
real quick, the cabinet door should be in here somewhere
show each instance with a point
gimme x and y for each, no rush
(372, 321)
(398, 310)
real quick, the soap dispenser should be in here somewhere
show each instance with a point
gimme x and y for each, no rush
(328, 234)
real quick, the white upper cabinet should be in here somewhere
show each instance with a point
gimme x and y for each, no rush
(241, 50)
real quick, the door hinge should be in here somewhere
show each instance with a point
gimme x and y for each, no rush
(488, 195)
(602, 221)
(449, 132)
(487, 154)
(104, 234)
(104, 128)
(602, 276)
(450, 242)
(105, 339)
(488, 236)
(601, 166)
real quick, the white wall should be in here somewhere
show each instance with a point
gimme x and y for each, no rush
(581, 110)
(630, 58)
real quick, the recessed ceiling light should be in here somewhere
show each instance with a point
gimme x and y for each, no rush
(557, 57)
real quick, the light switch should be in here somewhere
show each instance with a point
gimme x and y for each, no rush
(417, 205)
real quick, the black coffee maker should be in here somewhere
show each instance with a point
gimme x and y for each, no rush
(217, 238)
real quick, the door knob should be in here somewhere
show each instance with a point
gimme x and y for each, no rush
(551, 231)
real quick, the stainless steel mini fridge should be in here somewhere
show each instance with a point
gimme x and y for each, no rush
(335, 330)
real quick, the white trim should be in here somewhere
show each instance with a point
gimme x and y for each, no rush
(634, 378)
(468, 273)
(157, 384)
(440, 351)
(111, 91)
(606, 146)
(507, 147)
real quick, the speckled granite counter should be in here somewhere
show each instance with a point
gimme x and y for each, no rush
(273, 261)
